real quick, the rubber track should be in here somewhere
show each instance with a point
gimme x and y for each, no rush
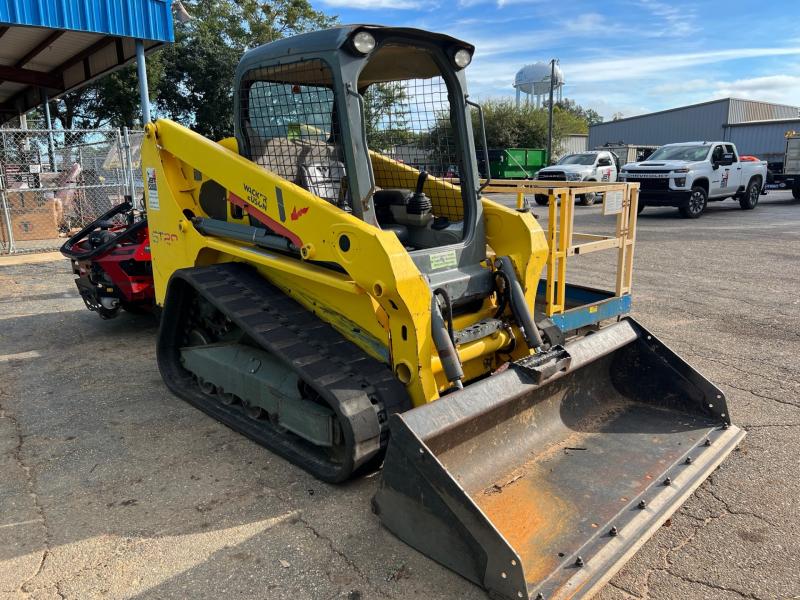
(361, 390)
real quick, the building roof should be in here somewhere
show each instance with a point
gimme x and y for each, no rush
(766, 122)
(781, 107)
(55, 46)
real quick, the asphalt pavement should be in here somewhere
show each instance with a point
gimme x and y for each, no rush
(111, 487)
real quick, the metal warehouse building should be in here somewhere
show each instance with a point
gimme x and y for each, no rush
(756, 128)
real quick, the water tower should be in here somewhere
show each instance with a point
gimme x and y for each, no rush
(534, 80)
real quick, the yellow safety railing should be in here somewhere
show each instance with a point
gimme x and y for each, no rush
(620, 199)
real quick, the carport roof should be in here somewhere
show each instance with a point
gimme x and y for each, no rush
(55, 46)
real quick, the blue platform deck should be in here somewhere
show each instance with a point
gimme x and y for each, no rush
(586, 306)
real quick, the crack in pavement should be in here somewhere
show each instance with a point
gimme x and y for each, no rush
(749, 427)
(737, 512)
(17, 454)
(628, 593)
(712, 586)
(760, 395)
(350, 562)
(30, 483)
(716, 359)
(702, 523)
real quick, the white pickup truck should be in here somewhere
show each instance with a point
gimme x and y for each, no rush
(689, 175)
(595, 165)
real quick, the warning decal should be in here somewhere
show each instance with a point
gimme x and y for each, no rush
(152, 189)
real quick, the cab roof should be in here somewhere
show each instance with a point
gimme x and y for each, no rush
(335, 38)
(693, 143)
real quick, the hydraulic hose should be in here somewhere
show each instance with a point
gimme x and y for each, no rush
(519, 307)
(444, 346)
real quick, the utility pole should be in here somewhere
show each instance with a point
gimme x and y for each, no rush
(550, 113)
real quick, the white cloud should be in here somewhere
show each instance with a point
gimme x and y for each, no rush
(675, 86)
(783, 89)
(498, 3)
(640, 67)
(586, 23)
(375, 4)
(677, 20)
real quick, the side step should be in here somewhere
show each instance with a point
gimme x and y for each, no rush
(544, 490)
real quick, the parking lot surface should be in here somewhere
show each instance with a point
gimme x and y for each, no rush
(111, 487)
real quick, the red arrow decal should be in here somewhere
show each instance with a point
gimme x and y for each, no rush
(296, 214)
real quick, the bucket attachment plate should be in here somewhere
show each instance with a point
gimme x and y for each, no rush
(528, 488)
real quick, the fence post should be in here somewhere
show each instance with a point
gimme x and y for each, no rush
(6, 215)
(128, 161)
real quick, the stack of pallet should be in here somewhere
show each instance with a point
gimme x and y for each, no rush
(32, 215)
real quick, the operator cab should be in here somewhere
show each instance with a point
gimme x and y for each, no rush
(412, 145)
(293, 117)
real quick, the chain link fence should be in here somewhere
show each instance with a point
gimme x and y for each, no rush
(53, 182)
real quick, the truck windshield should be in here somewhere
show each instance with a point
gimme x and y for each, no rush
(578, 159)
(689, 153)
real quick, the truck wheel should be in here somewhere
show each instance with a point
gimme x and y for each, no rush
(796, 192)
(749, 199)
(541, 199)
(639, 207)
(587, 199)
(696, 204)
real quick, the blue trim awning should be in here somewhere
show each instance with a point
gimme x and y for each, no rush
(143, 19)
(50, 47)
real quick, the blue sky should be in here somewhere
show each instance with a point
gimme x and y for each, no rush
(618, 56)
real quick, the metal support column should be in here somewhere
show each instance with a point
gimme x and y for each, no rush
(550, 113)
(127, 161)
(51, 149)
(141, 71)
(5, 221)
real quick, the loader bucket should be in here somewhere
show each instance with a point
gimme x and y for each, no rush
(546, 490)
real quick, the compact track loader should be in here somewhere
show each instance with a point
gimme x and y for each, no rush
(332, 291)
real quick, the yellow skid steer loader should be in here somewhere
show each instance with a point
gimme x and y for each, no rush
(335, 287)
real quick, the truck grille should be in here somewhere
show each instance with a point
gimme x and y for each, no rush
(551, 176)
(652, 184)
(649, 179)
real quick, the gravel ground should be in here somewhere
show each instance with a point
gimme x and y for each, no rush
(111, 487)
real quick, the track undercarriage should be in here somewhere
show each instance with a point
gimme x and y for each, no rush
(239, 349)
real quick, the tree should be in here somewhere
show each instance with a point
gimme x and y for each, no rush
(111, 102)
(197, 87)
(510, 126)
(386, 115)
(589, 115)
(191, 80)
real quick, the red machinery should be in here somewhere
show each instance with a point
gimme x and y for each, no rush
(112, 261)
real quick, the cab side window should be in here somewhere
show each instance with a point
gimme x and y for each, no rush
(718, 153)
(731, 150)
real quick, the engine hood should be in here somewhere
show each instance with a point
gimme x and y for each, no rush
(569, 169)
(661, 165)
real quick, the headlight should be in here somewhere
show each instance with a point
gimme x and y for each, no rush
(364, 42)
(680, 181)
(574, 176)
(462, 58)
(683, 170)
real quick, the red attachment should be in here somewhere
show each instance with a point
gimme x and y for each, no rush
(126, 266)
